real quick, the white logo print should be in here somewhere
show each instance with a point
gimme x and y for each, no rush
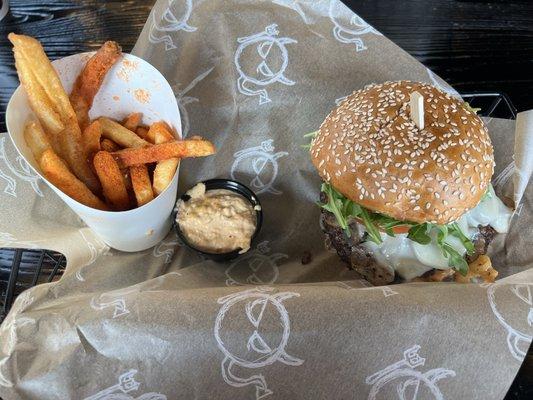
(263, 162)
(386, 290)
(96, 248)
(183, 100)
(256, 267)
(264, 320)
(296, 6)
(504, 176)
(166, 250)
(442, 86)
(348, 30)
(109, 300)
(21, 171)
(261, 60)
(520, 331)
(400, 380)
(168, 22)
(116, 300)
(121, 391)
(7, 240)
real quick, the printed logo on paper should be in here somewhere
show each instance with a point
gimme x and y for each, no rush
(256, 267)
(262, 162)
(116, 299)
(7, 240)
(183, 100)
(348, 27)
(104, 301)
(504, 176)
(363, 283)
(264, 321)
(124, 390)
(96, 247)
(404, 381)
(261, 60)
(19, 169)
(175, 18)
(506, 300)
(165, 249)
(296, 5)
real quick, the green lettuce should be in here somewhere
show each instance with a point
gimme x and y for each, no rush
(345, 210)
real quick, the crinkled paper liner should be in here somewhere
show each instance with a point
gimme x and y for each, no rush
(253, 77)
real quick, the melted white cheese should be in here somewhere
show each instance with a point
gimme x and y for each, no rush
(411, 259)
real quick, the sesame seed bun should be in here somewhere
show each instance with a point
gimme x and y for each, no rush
(370, 150)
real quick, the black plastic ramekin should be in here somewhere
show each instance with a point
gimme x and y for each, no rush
(236, 187)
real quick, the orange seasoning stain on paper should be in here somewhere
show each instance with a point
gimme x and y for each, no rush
(141, 95)
(116, 98)
(128, 66)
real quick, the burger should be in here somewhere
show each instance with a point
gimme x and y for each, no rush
(405, 197)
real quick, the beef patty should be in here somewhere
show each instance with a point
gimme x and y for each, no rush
(359, 258)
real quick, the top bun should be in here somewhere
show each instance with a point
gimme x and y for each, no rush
(369, 150)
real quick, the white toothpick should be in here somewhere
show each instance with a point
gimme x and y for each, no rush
(416, 102)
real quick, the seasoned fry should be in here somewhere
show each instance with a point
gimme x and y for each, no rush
(57, 172)
(109, 146)
(39, 101)
(142, 132)
(112, 181)
(127, 179)
(159, 132)
(91, 139)
(142, 186)
(163, 174)
(36, 139)
(90, 79)
(165, 169)
(38, 63)
(32, 59)
(132, 121)
(164, 151)
(116, 132)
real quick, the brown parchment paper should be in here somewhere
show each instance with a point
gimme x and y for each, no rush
(253, 77)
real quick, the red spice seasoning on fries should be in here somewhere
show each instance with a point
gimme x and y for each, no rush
(103, 164)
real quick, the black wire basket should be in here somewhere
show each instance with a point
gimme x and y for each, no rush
(21, 269)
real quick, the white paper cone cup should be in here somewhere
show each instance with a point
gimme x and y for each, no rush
(132, 85)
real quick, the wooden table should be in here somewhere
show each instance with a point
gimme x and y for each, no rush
(474, 45)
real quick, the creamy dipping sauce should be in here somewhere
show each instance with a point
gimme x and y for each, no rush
(216, 221)
(410, 259)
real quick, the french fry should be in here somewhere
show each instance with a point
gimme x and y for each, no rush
(57, 172)
(142, 187)
(163, 174)
(164, 151)
(33, 54)
(165, 169)
(39, 101)
(36, 139)
(112, 181)
(109, 146)
(116, 132)
(159, 132)
(91, 139)
(90, 79)
(127, 179)
(132, 121)
(31, 57)
(142, 132)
